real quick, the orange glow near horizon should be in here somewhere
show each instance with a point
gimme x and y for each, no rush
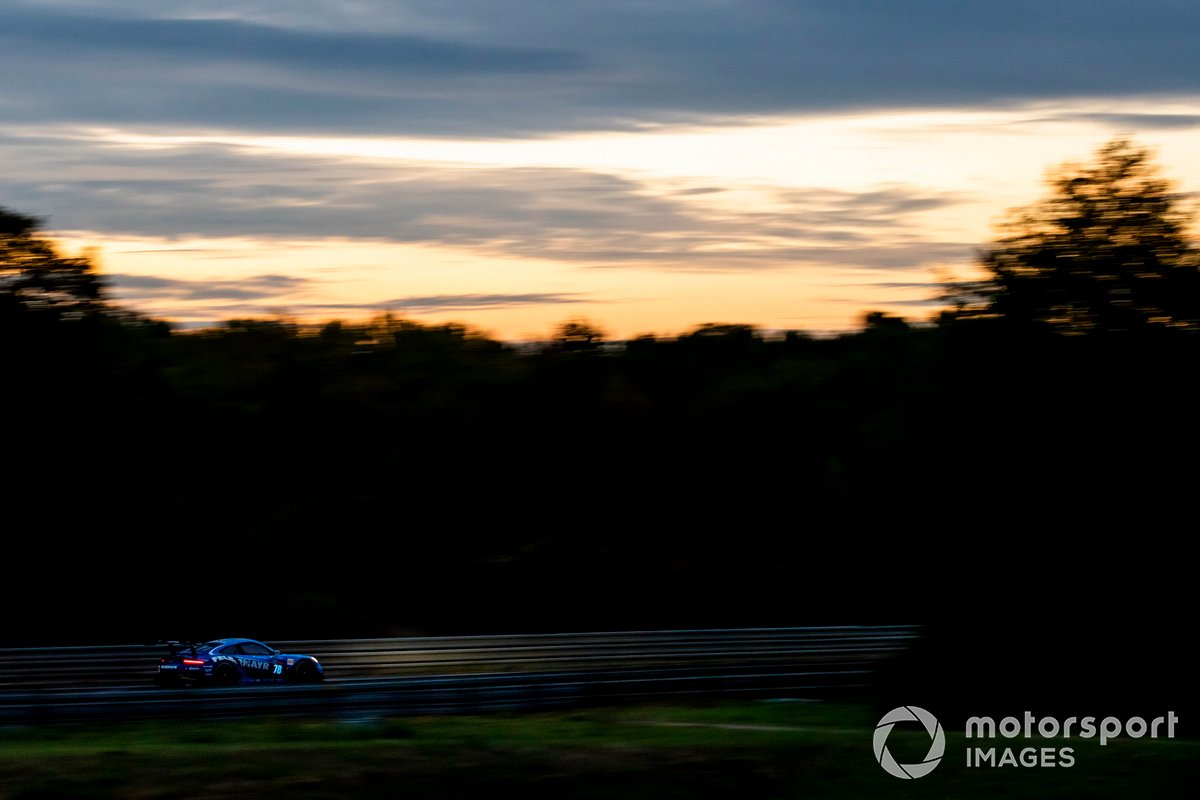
(973, 166)
(355, 281)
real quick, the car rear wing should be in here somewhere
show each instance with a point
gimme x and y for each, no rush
(175, 645)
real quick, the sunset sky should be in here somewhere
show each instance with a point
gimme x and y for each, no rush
(648, 165)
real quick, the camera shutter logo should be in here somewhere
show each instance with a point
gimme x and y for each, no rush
(937, 745)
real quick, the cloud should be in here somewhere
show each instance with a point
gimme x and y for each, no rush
(1129, 121)
(254, 295)
(527, 67)
(899, 285)
(254, 287)
(454, 302)
(571, 215)
(931, 302)
(231, 42)
(64, 65)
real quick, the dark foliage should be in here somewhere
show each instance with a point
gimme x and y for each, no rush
(36, 280)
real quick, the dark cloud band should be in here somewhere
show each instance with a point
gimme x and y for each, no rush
(570, 215)
(526, 67)
(253, 287)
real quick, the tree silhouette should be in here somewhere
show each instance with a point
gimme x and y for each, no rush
(578, 335)
(1105, 251)
(34, 277)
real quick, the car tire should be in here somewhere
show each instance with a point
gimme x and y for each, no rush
(305, 672)
(225, 675)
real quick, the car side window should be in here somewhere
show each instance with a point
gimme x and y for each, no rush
(255, 649)
(231, 650)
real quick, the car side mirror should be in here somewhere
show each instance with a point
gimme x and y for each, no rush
(276, 652)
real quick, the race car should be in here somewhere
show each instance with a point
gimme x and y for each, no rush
(230, 662)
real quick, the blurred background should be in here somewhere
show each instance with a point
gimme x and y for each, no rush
(1016, 476)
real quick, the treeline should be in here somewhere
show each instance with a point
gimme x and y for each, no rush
(362, 479)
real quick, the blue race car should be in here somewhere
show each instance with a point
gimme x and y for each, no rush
(229, 662)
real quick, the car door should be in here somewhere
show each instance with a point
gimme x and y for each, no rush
(259, 661)
(231, 653)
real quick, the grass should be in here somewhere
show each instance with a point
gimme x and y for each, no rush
(728, 750)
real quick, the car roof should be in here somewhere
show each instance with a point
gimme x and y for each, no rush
(235, 641)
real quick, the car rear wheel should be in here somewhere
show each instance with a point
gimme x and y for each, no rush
(225, 675)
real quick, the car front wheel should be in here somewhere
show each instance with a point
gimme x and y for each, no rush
(305, 672)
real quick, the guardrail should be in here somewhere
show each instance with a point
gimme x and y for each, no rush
(135, 665)
(371, 677)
